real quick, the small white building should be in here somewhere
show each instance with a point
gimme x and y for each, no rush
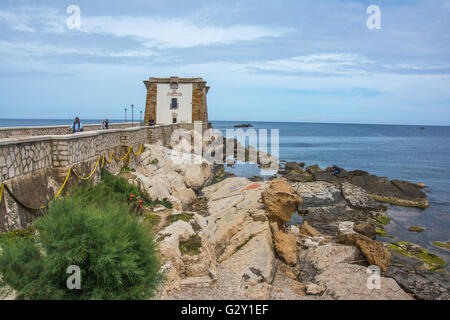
(176, 100)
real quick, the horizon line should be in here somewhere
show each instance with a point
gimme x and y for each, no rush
(263, 121)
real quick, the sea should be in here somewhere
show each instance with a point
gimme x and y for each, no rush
(415, 153)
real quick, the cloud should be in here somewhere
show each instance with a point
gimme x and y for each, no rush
(151, 31)
(175, 33)
(318, 64)
(33, 19)
(37, 49)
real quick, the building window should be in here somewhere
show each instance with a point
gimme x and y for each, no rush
(174, 120)
(174, 104)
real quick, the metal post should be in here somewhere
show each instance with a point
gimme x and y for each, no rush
(132, 115)
(140, 120)
(125, 115)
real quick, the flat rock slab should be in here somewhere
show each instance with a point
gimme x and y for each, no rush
(350, 282)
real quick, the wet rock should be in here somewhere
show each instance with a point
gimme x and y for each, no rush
(412, 276)
(327, 219)
(280, 201)
(374, 251)
(297, 177)
(318, 194)
(369, 230)
(312, 170)
(326, 175)
(430, 260)
(293, 166)
(416, 229)
(397, 192)
(286, 247)
(442, 245)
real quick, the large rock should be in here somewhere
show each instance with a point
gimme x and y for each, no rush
(318, 194)
(280, 201)
(169, 185)
(397, 192)
(254, 261)
(357, 197)
(316, 260)
(240, 236)
(413, 277)
(165, 174)
(350, 282)
(196, 176)
(374, 251)
(286, 247)
(333, 267)
(327, 219)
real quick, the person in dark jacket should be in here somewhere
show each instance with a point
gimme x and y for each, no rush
(335, 170)
(77, 126)
(105, 124)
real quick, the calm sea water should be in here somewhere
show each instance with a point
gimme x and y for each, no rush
(393, 151)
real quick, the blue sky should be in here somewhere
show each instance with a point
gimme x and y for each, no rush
(264, 60)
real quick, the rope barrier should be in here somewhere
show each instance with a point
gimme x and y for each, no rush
(4, 187)
(90, 175)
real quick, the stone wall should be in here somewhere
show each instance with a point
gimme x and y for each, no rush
(150, 105)
(35, 167)
(199, 102)
(20, 132)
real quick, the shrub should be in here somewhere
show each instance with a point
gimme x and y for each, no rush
(94, 230)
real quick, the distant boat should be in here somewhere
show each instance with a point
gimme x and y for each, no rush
(421, 128)
(243, 125)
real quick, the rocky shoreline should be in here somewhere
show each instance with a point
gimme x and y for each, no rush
(301, 234)
(234, 238)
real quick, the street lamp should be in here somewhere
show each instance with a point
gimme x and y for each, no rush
(140, 120)
(132, 115)
(125, 115)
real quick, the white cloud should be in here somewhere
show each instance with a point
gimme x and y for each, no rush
(328, 64)
(170, 32)
(32, 19)
(37, 49)
(151, 31)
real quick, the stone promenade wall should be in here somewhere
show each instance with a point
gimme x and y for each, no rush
(34, 167)
(20, 132)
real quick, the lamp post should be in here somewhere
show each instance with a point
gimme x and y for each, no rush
(125, 115)
(132, 115)
(140, 120)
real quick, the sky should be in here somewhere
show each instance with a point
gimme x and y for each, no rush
(265, 60)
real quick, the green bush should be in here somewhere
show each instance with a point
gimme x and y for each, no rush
(93, 229)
